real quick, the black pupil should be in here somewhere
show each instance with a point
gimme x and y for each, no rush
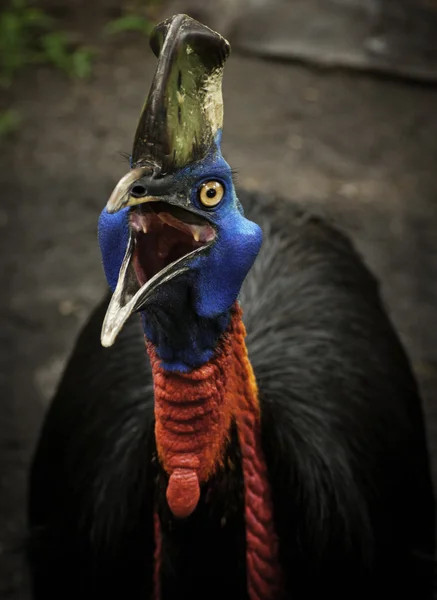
(211, 193)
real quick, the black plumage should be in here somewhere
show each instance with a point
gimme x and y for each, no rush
(342, 433)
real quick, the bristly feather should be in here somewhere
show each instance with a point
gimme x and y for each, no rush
(126, 156)
(342, 434)
(235, 175)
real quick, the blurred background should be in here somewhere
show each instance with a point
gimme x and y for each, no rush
(328, 103)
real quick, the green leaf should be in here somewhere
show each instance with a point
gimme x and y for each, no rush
(129, 23)
(28, 37)
(55, 46)
(18, 4)
(10, 121)
(36, 18)
(14, 46)
(81, 63)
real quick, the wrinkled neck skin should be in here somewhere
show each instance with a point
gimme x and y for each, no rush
(195, 407)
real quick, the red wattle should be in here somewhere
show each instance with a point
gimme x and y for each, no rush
(193, 414)
(192, 423)
(183, 492)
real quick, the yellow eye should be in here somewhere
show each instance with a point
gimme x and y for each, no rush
(211, 193)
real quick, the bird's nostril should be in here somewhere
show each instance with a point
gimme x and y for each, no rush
(138, 191)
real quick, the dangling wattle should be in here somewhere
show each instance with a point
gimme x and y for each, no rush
(193, 416)
(193, 413)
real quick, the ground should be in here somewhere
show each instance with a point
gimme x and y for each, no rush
(360, 149)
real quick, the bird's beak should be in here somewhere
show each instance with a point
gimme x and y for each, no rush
(164, 238)
(122, 195)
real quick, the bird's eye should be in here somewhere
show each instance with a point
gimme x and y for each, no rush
(211, 193)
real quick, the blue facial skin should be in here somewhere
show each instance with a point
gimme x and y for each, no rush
(186, 316)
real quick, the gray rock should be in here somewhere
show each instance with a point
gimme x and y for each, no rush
(389, 36)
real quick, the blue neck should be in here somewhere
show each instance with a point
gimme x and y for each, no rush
(183, 339)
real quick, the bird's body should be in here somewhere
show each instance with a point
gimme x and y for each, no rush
(342, 435)
(285, 465)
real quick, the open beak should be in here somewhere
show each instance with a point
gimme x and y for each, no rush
(178, 126)
(163, 240)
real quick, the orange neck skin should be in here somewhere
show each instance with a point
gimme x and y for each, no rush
(193, 415)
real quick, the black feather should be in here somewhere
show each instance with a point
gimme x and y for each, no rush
(342, 433)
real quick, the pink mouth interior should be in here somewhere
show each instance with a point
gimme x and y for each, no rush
(161, 237)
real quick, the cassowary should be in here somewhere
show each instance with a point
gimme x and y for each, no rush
(288, 464)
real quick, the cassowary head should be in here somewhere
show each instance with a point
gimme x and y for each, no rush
(175, 243)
